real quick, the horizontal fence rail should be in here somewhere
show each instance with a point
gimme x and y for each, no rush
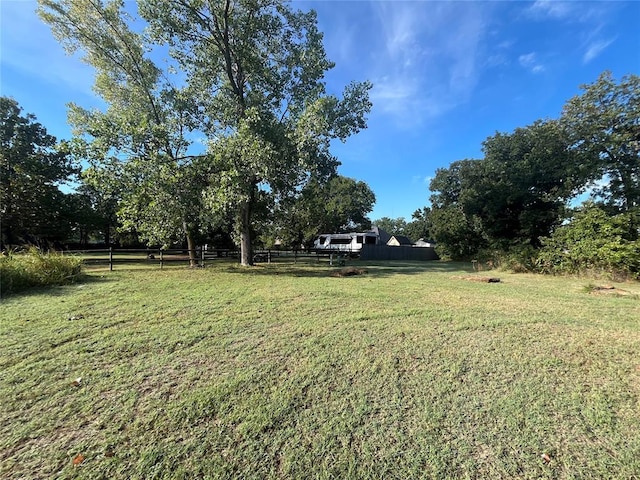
(162, 257)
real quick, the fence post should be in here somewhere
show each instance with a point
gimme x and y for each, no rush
(202, 256)
(161, 259)
(269, 256)
(111, 259)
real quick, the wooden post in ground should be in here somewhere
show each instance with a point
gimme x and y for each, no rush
(161, 259)
(111, 259)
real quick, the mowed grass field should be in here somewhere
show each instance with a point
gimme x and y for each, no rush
(284, 371)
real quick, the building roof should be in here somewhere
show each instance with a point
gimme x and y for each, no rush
(383, 236)
(400, 239)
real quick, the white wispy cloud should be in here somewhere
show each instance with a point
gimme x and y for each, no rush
(551, 8)
(595, 49)
(593, 16)
(428, 60)
(569, 11)
(530, 62)
(421, 179)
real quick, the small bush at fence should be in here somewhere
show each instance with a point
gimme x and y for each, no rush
(20, 271)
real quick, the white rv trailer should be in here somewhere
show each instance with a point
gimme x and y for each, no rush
(345, 242)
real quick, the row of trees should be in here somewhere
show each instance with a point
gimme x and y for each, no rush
(419, 227)
(216, 114)
(47, 199)
(31, 204)
(520, 198)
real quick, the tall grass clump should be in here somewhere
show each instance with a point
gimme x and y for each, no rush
(33, 268)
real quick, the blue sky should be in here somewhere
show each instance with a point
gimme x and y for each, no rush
(446, 75)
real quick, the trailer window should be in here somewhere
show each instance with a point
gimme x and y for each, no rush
(340, 241)
(322, 240)
(359, 238)
(370, 240)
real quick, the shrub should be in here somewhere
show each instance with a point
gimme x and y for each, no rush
(520, 259)
(21, 271)
(594, 243)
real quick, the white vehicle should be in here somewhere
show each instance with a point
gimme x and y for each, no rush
(345, 242)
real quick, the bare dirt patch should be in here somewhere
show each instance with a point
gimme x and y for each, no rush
(349, 272)
(609, 290)
(481, 279)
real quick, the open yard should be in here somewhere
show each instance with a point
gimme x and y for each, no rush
(284, 371)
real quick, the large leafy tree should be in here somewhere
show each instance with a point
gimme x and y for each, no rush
(420, 226)
(515, 195)
(140, 145)
(256, 70)
(31, 169)
(603, 124)
(525, 182)
(458, 232)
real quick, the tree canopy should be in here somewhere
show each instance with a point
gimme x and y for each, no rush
(246, 77)
(256, 70)
(32, 207)
(339, 204)
(603, 126)
(139, 146)
(521, 192)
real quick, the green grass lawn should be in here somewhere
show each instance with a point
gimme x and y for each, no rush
(283, 371)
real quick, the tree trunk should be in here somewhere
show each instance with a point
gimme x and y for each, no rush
(246, 253)
(191, 246)
(107, 234)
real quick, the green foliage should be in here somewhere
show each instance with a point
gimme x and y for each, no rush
(256, 71)
(32, 208)
(420, 226)
(603, 124)
(250, 81)
(393, 226)
(514, 195)
(502, 205)
(21, 271)
(139, 146)
(339, 204)
(458, 236)
(525, 181)
(594, 242)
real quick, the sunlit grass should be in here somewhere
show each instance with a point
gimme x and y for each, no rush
(283, 371)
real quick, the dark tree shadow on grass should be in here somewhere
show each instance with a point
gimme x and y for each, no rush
(57, 290)
(373, 269)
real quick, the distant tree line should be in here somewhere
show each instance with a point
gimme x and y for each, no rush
(418, 228)
(49, 201)
(520, 203)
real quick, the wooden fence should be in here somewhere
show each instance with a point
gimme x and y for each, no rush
(402, 252)
(162, 257)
